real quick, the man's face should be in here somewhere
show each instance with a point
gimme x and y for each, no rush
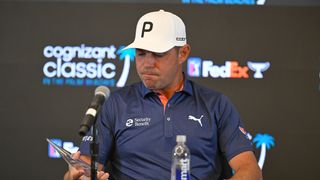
(159, 71)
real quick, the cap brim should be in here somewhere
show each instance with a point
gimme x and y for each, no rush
(150, 46)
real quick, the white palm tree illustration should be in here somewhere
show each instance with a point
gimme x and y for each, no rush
(265, 141)
(261, 2)
(128, 56)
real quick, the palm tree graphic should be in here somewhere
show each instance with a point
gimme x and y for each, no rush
(265, 141)
(261, 2)
(128, 56)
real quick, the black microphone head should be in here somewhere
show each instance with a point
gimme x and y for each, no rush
(102, 90)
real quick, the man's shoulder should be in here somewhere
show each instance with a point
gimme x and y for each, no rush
(127, 91)
(209, 96)
(202, 90)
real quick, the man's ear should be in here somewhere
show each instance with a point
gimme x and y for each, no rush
(184, 52)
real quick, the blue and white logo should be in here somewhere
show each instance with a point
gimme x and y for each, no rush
(85, 65)
(264, 142)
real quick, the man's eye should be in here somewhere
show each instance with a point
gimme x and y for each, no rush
(141, 54)
(159, 54)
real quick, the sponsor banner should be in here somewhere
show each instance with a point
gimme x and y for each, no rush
(196, 67)
(86, 65)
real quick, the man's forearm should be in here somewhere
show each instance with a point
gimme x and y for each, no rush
(246, 167)
(250, 172)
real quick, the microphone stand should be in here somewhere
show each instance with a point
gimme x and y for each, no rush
(90, 119)
(94, 151)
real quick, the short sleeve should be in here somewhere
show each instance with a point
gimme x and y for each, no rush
(233, 138)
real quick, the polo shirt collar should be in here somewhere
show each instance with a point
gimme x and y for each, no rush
(187, 88)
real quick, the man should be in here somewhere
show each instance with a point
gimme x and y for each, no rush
(138, 124)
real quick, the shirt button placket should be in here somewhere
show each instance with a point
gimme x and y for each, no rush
(168, 123)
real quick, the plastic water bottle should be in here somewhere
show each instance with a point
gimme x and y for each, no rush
(180, 168)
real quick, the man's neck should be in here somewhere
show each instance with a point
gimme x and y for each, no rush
(168, 92)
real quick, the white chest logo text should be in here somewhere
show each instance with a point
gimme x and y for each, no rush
(190, 117)
(138, 122)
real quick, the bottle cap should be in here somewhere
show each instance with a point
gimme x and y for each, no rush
(181, 138)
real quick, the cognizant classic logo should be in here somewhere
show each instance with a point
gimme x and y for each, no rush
(197, 67)
(226, 2)
(86, 66)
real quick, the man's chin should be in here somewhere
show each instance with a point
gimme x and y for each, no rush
(150, 85)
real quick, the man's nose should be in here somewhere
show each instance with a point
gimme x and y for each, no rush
(149, 60)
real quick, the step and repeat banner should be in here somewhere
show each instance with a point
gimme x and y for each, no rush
(53, 55)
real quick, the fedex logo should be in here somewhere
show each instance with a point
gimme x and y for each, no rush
(69, 146)
(231, 69)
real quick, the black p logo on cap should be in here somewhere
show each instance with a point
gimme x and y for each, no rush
(146, 28)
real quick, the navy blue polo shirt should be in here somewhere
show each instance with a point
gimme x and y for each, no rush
(137, 134)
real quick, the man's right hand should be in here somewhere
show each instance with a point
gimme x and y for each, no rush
(78, 174)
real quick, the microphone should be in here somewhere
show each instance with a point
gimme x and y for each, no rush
(101, 94)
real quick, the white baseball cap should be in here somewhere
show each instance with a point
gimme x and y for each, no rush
(159, 31)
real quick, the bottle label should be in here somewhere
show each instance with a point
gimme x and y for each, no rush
(184, 172)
